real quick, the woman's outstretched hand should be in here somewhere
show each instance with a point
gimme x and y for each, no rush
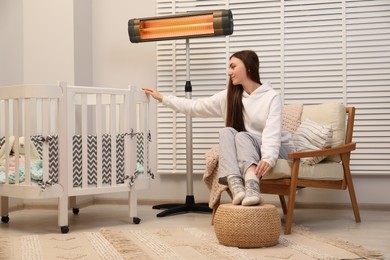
(154, 93)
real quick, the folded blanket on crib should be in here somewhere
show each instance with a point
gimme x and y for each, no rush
(35, 166)
(35, 171)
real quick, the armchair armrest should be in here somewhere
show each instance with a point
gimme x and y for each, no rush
(345, 148)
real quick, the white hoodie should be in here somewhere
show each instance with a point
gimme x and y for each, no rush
(262, 115)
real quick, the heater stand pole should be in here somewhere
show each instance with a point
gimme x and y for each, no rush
(189, 205)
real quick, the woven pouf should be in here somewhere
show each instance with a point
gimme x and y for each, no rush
(247, 227)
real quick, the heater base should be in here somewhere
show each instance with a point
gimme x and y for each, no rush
(188, 206)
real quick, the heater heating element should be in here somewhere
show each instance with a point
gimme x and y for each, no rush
(182, 26)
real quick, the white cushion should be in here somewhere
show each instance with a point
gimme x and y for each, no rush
(312, 136)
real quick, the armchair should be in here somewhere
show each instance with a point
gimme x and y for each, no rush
(330, 168)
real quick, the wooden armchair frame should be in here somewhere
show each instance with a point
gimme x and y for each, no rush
(288, 186)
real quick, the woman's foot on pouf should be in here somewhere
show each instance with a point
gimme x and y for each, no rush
(236, 186)
(252, 191)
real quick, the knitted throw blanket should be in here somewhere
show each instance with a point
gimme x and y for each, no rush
(210, 177)
(291, 117)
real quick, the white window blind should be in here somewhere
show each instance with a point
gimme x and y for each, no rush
(312, 51)
(368, 83)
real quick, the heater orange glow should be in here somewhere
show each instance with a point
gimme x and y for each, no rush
(174, 27)
(181, 26)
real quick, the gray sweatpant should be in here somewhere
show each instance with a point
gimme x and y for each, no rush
(239, 150)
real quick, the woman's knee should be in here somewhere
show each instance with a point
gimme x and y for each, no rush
(242, 137)
(227, 132)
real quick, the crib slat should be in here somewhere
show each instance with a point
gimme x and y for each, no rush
(46, 115)
(67, 106)
(146, 137)
(7, 136)
(27, 147)
(84, 134)
(98, 110)
(33, 115)
(113, 139)
(2, 117)
(133, 125)
(16, 122)
(128, 152)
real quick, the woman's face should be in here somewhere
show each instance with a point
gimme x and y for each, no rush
(237, 71)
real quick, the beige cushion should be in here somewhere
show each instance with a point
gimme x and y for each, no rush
(326, 170)
(282, 169)
(333, 114)
(312, 136)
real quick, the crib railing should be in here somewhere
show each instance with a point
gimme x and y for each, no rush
(43, 122)
(98, 114)
(25, 111)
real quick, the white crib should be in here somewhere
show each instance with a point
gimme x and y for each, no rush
(62, 141)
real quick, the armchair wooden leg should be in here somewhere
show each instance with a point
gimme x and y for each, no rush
(290, 212)
(291, 198)
(283, 204)
(355, 206)
(351, 189)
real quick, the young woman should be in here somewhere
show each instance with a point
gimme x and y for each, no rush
(252, 140)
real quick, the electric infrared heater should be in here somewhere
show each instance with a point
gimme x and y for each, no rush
(175, 27)
(181, 26)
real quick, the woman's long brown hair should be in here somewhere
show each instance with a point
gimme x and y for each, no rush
(235, 108)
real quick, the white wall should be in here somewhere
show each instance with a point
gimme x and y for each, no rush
(50, 40)
(82, 24)
(11, 41)
(116, 61)
(48, 54)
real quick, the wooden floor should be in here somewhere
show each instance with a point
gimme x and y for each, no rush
(373, 232)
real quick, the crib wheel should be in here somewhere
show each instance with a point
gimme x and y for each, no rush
(136, 220)
(4, 219)
(76, 211)
(64, 229)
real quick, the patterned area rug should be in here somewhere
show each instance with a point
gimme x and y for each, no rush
(178, 243)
